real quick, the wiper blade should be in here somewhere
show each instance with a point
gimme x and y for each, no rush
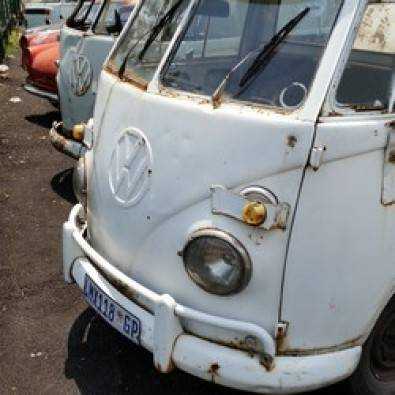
(122, 68)
(167, 18)
(264, 56)
(153, 33)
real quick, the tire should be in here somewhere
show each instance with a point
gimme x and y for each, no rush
(375, 374)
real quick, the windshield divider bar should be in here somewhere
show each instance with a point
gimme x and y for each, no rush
(154, 85)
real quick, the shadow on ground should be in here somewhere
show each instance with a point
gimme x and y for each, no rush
(101, 361)
(62, 185)
(44, 120)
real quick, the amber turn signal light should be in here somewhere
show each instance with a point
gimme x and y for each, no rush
(254, 213)
(78, 132)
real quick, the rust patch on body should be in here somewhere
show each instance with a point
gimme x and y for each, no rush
(390, 124)
(122, 288)
(284, 350)
(376, 33)
(213, 371)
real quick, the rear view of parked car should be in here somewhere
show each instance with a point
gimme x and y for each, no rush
(41, 53)
(39, 57)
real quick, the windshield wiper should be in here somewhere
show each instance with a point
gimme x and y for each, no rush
(125, 60)
(167, 18)
(262, 60)
(153, 33)
(264, 56)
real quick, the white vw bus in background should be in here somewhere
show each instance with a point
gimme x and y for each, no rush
(85, 42)
(237, 190)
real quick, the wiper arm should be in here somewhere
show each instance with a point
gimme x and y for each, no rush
(122, 68)
(262, 58)
(167, 18)
(153, 34)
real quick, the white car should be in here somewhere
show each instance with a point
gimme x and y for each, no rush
(237, 189)
(43, 12)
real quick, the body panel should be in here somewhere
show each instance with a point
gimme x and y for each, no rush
(157, 149)
(92, 49)
(40, 51)
(339, 266)
(143, 240)
(342, 240)
(42, 70)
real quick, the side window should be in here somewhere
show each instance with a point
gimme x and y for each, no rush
(368, 83)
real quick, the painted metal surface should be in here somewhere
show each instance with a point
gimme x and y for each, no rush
(345, 218)
(39, 14)
(339, 267)
(52, 97)
(77, 246)
(324, 275)
(175, 204)
(42, 67)
(377, 31)
(163, 335)
(231, 205)
(82, 57)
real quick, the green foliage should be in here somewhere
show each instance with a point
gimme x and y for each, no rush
(12, 42)
(10, 10)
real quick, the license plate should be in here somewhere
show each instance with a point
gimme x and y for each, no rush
(112, 312)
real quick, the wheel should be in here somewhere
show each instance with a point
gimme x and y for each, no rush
(375, 374)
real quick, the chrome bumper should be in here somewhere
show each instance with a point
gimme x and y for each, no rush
(41, 93)
(67, 146)
(163, 334)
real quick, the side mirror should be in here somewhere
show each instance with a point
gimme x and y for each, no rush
(217, 8)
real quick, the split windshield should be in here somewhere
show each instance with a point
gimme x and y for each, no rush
(260, 51)
(113, 16)
(84, 14)
(143, 46)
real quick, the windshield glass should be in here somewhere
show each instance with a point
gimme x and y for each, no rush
(142, 48)
(84, 14)
(114, 16)
(259, 51)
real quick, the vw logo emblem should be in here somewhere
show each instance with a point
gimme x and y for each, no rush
(131, 167)
(81, 75)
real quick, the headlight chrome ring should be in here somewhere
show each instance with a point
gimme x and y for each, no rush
(217, 262)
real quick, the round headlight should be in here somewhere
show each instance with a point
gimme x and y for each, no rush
(217, 262)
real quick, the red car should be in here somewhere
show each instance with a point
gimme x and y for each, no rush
(40, 53)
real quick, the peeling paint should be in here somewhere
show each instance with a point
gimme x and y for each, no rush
(376, 32)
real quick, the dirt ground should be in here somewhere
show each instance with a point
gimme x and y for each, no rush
(50, 342)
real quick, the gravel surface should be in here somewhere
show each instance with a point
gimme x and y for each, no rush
(50, 342)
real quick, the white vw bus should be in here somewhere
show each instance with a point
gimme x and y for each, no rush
(85, 41)
(237, 192)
